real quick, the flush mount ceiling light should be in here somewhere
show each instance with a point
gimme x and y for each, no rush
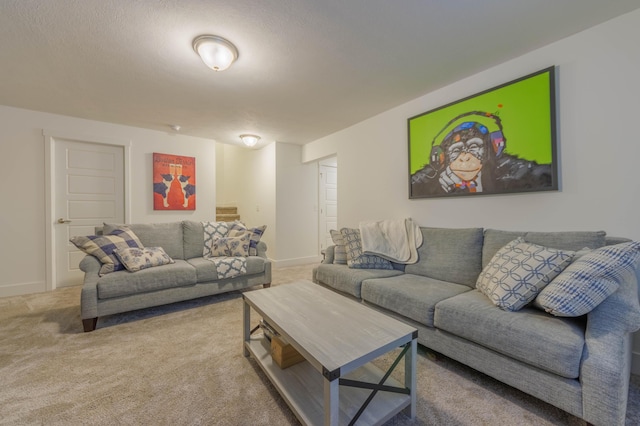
(250, 140)
(216, 52)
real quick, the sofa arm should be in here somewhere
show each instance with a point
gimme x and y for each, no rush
(262, 249)
(89, 296)
(606, 365)
(90, 264)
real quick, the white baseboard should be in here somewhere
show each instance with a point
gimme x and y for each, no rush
(22, 288)
(296, 262)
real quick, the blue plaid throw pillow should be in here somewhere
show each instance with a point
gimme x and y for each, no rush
(103, 247)
(589, 280)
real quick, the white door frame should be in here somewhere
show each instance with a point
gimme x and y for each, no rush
(50, 137)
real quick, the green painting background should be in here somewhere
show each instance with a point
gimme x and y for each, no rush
(523, 106)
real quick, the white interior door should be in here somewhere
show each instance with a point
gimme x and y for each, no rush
(88, 190)
(328, 214)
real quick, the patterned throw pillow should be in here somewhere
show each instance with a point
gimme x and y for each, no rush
(519, 271)
(213, 231)
(103, 246)
(588, 281)
(136, 259)
(340, 251)
(238, 228)
(355, 257)
(218, 248)
(238, 246)
(231, 246)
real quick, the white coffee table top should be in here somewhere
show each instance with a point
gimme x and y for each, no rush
(334, 333)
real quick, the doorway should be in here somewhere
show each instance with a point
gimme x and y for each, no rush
(328, 201)
(86, 188)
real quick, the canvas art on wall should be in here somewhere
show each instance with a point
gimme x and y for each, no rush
(174, 182)
(502, 140)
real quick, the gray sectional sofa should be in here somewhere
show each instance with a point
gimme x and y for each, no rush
(189, 277)
(579, 364)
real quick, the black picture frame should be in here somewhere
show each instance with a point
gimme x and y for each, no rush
(501, 140)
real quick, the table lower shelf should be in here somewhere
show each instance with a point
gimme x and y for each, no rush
(302, 388)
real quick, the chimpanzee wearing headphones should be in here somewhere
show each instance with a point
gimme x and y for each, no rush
(471, 159)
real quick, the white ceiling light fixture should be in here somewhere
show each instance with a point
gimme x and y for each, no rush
(216, 52)
(250, 140)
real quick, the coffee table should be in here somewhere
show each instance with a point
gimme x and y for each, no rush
(338, 337)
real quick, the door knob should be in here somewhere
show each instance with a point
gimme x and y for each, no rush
(61, 220)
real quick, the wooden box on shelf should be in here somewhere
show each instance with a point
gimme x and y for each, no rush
(283, 353)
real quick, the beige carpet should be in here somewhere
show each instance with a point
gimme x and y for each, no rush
(182, 364)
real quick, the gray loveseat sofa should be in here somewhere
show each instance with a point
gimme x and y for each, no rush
(189, 277)
(579, 364)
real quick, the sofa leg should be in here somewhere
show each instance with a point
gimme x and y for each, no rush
(267, 285)
(89, 324)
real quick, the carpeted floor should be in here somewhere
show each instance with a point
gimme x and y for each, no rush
(182, 364)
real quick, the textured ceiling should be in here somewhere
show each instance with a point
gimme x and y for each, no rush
(307, 68)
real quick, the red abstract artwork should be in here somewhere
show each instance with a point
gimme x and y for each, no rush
(174, 182)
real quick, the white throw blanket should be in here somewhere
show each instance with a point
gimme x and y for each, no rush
(395, 240)
(229, 267)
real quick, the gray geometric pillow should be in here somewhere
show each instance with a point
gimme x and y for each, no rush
(340, 251)
(519, 271)
(588, 281)
(355, 257)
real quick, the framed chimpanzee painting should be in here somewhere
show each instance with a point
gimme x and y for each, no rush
(174, 182)
(502, 140)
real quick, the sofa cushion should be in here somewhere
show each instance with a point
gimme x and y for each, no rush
(495, 239)
(450, 254)
(590, 280)
(135, 259)
(356, 258)
(206, 270)
(568, 240)
(103, 247)
(347, 280)
(166, 235)
(519, 271)
(193, 238)
(412, 296)
(124, 283)
(529, 335)
(340, 251)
